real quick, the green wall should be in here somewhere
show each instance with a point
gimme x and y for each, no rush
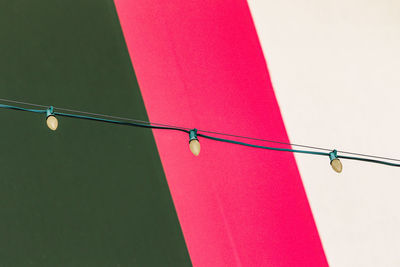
(88, 194)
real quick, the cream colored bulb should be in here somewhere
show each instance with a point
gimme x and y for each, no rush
(336, 165)
(195, 147)
(52, 122)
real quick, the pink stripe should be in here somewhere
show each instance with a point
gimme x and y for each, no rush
(200, 64)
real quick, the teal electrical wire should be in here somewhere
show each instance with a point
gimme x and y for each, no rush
(119, 122)
(263, 147)
(22, 109)
(369, 160)
(297, 151)
(145, 125)
(200, 130)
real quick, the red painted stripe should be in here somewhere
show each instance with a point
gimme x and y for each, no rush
(200, 64)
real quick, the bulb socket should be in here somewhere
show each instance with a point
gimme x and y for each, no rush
(333, 155)
(50, 112)
(193, 135)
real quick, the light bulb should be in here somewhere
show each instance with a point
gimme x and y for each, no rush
(335, 162)
(336, 165)
(194, 146)
(194, 143)
(52, 122)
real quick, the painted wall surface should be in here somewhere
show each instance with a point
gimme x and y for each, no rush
(89, 194)
(200, 64)
(335, 70)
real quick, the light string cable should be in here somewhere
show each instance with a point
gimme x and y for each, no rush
(193, 133)
(94, 118)
(200, 130)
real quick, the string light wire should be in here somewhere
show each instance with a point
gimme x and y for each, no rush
(201, 130)
(147, 124)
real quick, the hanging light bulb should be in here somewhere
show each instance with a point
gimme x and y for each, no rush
(194, 143)
(335, 162)
(51, 120)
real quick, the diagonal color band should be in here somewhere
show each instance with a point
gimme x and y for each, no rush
(237, 207)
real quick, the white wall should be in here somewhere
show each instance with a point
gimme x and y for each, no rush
(335, 67)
